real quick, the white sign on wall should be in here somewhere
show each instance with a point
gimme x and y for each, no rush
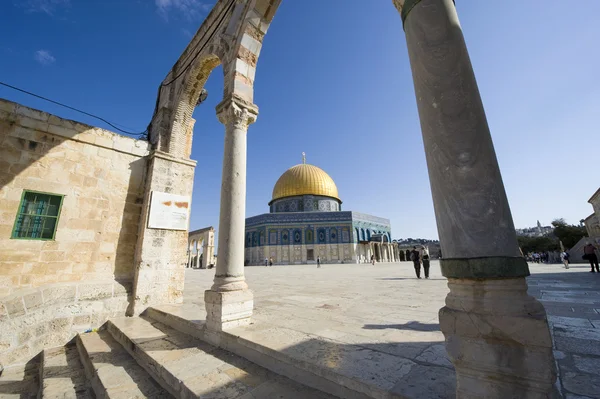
(168, 211)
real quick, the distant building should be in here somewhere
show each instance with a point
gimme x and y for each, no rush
(538, 231)
(592, 225)
(592, 222)
(306, 221)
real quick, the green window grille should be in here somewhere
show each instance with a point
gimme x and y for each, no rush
(37, 217)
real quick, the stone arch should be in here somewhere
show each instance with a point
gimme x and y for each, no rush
(177, 139)
(240, 66)
(218, 41)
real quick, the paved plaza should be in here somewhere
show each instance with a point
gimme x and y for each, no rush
(386, 321)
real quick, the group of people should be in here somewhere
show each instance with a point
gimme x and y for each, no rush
(538, 257)
(268, 261)
(420, 256)
(589, 254)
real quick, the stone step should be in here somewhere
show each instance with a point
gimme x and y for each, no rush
(190, 368)
(21, 381)
(62, 374)
(112, 372)
(354, 371)
(188, 319)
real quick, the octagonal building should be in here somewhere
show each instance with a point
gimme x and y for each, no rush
(306, 221)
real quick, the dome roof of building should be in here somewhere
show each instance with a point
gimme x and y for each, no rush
(305, 179)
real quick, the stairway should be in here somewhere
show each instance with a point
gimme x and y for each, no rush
(576, 252)
(139, 357)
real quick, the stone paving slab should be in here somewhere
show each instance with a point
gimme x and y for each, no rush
(190, 368)
(374, 369)
(385, 308)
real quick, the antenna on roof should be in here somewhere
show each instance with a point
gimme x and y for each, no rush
(304, 157)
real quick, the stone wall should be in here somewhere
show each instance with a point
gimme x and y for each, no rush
(84, 275)
(33, 319)
(297, 254)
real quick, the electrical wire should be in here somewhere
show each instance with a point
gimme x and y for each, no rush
(75, 109)
(145, 132)
(198, 52)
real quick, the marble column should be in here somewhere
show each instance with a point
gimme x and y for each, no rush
(497, 336)
(229, 302)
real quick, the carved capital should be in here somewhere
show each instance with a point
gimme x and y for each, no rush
(398, 4)
(237, 113)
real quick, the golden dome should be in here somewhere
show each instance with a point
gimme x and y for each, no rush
(305, 179)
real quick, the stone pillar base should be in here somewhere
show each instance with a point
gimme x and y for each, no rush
(228, 309)
(498, 338)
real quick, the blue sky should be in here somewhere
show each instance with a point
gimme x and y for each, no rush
(333, 80)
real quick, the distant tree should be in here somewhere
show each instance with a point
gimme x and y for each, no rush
(537, 244)
(559, 222)
(569, 234)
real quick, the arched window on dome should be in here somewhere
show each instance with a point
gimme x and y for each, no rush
(362, 235)
(368, 234)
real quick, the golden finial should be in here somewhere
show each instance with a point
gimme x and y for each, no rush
(304, 157)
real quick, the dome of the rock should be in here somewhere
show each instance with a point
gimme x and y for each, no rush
(305, 179)
(306, 223)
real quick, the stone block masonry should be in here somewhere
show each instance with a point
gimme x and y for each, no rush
(51, 315)
(51, 288)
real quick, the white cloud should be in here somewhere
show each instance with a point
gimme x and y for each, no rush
(44, 57)
(189, 8)
(187, 33)
(43, 6)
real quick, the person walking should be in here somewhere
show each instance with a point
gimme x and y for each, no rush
(266, 262)
(271, 261)
(373, 260)
(589, 253)
(564, 256)
(424, 253)
(318, 262)
(416, 260)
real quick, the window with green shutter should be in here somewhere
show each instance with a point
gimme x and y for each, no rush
(37, 216)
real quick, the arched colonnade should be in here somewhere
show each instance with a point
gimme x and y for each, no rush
(497, 336)
(201, 248)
